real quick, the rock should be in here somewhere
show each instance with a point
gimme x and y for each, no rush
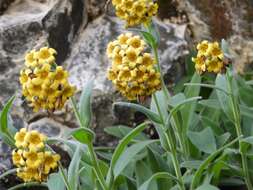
(49, 127)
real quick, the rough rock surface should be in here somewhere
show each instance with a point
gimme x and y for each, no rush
(79, 30)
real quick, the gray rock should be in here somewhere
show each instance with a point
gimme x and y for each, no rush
(49, 127)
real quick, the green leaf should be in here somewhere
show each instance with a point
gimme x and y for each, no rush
(223, 98)
(248, 140)
(194, 164)
(207, 187)
(122, 146)
(149, 39)
(128, 155)
(83, 135)
(225, 48)
(158, 164)
(73, 170)
(210, 103)
(125, 141)
(199, 173)
(121, 131)
(55, 182)
(150, 114)
(143, 172)
(85, 105)
(222, 139)
(203, 140)
(246, 111)
(159, 175)
(188, 110)
(162, 103)
(4, 123)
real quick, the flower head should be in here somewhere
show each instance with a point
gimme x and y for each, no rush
(34, 162)
(133, 70)
(44, 84)
(135, 12)
(210, 58)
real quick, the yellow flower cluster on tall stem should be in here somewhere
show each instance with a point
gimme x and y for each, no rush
(210, 58)
(45, 84)
(133, 70)
(135, 12)
(34, 162)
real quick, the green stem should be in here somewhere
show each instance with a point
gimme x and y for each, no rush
(64, 177)
(171, 145)
(30, 184)
(91, 150)
(164, 88)
(237, 118)
(96, 167)
(175, 121)
(12, 171)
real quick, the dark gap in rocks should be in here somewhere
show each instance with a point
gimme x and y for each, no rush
(169, 9)
(58, 27)
(77, 14)
(4, 4)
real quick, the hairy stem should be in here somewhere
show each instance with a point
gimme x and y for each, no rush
(172, 146)
(237, 120)
(96, 167)
(91, 150)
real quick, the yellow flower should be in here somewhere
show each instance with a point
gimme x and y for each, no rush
(17, 158)
(215, 50)
(200, 65)
(135, 12)
(28, 174)
(209, 58)
(50, 161)
(139, 8)
(214, 65)
(23, 77)
(35, 140)
(131, 55)
(67, 92)
(133, 70)
(202, 47)
(136, 43)
(46, 55)
(45, 85)
(20, 138)
(30, 59)
(33, 159)
(116, 2)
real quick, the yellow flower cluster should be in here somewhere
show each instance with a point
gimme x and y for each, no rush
(209, 58)
(45, 85)
(135, 12)
(133, 71)
(33, 161)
